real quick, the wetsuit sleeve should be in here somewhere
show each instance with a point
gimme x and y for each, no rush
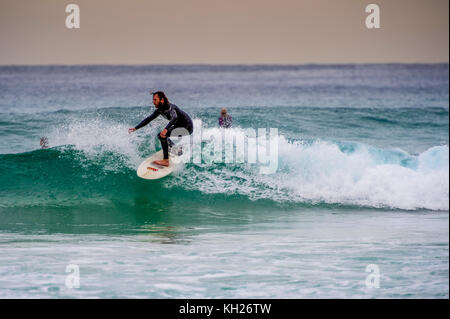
(220, 122)
(173, 119)
(147, 120)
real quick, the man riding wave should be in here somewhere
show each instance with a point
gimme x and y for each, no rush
(177, 119)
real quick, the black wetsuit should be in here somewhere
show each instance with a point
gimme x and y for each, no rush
(176, 117)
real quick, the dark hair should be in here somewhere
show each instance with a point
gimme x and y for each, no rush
(161, 95)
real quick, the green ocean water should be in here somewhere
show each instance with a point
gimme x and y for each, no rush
(361, 179)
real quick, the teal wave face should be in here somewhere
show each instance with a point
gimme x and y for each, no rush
(309, 173)
(64, 190)
(64, 177)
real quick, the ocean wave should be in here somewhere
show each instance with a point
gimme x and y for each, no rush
(335, 173)
(95, 160)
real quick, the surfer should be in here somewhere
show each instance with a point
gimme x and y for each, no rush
(225, 119)
(177, 119)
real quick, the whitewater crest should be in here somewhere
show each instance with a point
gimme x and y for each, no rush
(334, 173)
(312, 172)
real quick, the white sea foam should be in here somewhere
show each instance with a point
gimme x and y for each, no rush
(97, 136)
(321, 172)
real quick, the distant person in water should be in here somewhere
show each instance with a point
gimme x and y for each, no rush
(44, 142)
(177, 119)
(225, 119)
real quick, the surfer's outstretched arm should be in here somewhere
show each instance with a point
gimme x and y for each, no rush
(147, 120)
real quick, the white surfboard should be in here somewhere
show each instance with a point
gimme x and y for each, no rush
(149, 170)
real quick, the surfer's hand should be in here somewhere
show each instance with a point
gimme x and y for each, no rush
(131, 130)
(163, 133)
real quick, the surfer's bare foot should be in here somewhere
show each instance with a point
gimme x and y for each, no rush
(163, 162)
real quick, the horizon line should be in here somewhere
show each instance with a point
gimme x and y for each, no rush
(221, 64)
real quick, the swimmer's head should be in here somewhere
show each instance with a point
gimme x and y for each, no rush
(44, 142)
(223, 111)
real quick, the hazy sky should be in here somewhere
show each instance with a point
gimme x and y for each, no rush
(223, 31)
